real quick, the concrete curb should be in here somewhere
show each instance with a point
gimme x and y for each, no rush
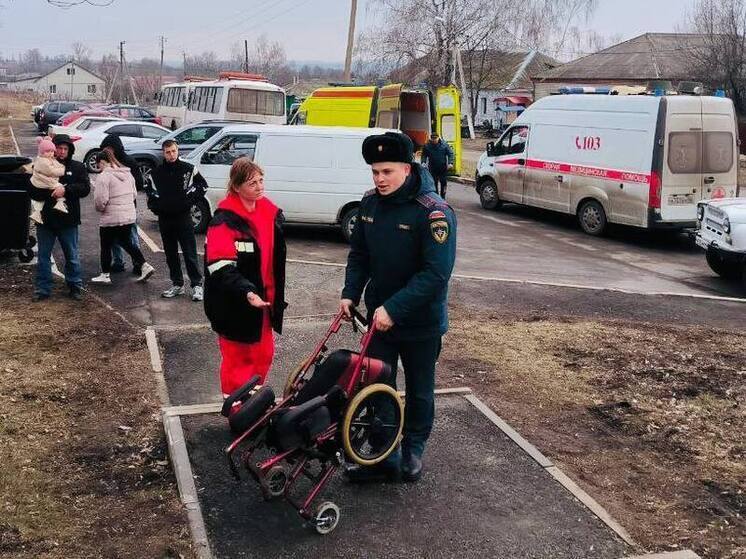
(463, 180)
(151, 338)
(185, 481)
(552, 470)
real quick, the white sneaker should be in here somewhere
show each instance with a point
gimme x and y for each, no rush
(147, 271)
(172, 292)
(198, 293)
(102, 278)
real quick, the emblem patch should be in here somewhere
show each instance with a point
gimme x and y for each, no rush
(439, 231)
(366, 218)
(405, 226)
(437, 214)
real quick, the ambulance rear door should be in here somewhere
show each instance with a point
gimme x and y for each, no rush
(719, 149)
(388, 113)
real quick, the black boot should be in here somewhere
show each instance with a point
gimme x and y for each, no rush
(411, 467)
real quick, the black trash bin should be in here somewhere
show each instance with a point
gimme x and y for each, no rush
(15, 207)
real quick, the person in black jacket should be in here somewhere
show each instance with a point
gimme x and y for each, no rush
(61, 226)
(172, 201)
(113, 145)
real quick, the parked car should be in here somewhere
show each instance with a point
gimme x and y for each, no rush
(133, 112)
(721, 233)
(51, 111)
(82, 123)
(68, 118)
(149, 153)
(638, 160)
(88, 142)
(316, 174)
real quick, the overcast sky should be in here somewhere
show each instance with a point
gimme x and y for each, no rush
(309, 29)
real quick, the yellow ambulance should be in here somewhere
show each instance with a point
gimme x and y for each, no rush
(416, 112)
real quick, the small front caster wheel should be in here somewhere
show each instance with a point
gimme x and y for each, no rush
(274, 483)
(327, 518)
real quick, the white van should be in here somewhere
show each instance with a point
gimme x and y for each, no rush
(236, 96)
(316, 174)
(172, 101)
(644, 161)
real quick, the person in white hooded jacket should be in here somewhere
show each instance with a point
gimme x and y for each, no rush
(114, 198)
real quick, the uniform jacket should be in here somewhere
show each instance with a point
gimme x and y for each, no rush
(233, 269)
(437, 157)
(114, 196)
(172, 195)
(402, 253)
(77, 186)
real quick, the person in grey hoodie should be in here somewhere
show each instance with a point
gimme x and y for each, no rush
(114, 198)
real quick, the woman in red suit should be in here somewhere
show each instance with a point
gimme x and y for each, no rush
(245, 276)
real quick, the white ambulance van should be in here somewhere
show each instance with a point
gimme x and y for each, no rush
(637, 160)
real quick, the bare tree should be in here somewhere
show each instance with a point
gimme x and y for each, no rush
(721, 60)
(31, 61)
(205, 64)
(81, 53)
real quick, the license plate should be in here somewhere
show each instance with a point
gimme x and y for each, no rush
(680, 199)
(702, 243)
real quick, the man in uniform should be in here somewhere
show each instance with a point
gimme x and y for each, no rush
(437, 155)
(402, 253)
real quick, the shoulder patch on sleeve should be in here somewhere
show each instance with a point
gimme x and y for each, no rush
(437, 214)
(439, 230)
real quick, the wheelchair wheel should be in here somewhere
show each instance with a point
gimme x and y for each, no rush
(273, 483)
(327, 518)
(290, 381)
(372, 424)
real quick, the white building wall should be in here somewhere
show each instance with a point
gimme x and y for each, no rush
(68, 82)
(485, 107)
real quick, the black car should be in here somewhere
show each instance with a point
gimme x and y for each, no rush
(132, 112)
(53, 110)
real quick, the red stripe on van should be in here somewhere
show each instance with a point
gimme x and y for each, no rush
(583, 171)
(342, 93)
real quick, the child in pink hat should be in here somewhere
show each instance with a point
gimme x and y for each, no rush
(47, 171)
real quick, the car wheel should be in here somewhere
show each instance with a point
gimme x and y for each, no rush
(488, 196)
(592, 218)
(200, 215)
(90, 161)
(723, 268)
(349, 220)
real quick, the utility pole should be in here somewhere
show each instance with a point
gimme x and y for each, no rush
(246, 56)
(121, 67)
(160, 75)
(183, 54)
(350, 41)
(464, 91)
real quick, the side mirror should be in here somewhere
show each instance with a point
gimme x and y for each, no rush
(490, 147)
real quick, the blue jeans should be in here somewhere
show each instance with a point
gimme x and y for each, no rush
(118, 253)
(418, 360)
(68, 238)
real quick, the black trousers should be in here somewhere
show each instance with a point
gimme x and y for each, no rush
(176, 231)
(418, 360)
(442, 180)
(120, 235)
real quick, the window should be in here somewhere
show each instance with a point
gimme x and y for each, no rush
(251, 101)
(70, 71)
(53, 107)
(53, 88)
(218, 99)
(388, 119)
(448, 129)
(685, 152)
(514, 142)
(142, 113)
(230, 148)
(92, 89)
(67, 107)
(131, 130)
(483, 101)
(85, 125)
(718, 152)
(196, 135)
(152, 132)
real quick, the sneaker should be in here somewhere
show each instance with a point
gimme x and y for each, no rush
(172, 292)
(147, 271)
(197, 293)
(102, 278)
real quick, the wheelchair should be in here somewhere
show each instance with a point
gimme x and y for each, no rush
(335, 407)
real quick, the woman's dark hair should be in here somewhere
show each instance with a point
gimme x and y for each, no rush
(104, 156)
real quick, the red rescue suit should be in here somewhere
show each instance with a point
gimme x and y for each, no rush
(245, 253)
